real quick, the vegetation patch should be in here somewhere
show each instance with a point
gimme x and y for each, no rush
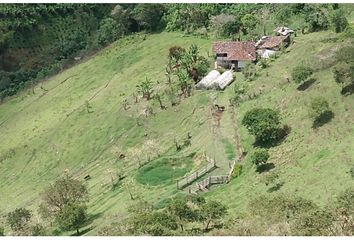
(229, 149)
(164, 170)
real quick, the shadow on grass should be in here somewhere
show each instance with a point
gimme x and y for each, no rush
(282, 134)
(347, 90)
(305, 85)
(323, 119)
(276, 187)
(82, 232)
(265, 167)
(89, 221)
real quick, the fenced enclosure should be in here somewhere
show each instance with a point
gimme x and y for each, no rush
(196, 174)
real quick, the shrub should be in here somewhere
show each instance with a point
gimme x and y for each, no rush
(176, 53)
(338, 21)
(202, 66)
(319, 111)
(108, 31)
(249, 71)
(301, 73)
(263, 123)
(19, 219)
(316, 222)
(351, 171)
(343, 73)
(318, 106)
(237, 171)
(263, 63)
(260, 157)
(2, 233)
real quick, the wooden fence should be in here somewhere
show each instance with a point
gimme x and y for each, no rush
(196, 174)
(206, 183)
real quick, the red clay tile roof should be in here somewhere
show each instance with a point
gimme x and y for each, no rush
(236, 50)
(271, 42)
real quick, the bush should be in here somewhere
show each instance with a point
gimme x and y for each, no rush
(263, 123)
(319, 111)
(343, 73)
(301, 73)
(263, 63)
(338, 21)
(237, 171)
(260, 157)
(108, 31)
(19, 219)
(351, 172)
(249, 71)
(318, 106)
(316, 222)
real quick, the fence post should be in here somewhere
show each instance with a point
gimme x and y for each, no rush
(177, 185)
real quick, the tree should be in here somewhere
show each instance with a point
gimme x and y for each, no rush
(72, 217)
(249, 23)
(145, 88)
(301, 73)
(183, 212)
(338, 21)
(316, 19)
(148, 16)
(212, 211)
(224, 25)
(109, 31)
(155, 223)
(316, 222)
(263, 123)
(320, 111)
(344, 209)
(63, 192)
(122, 18)
(260, 157)
(19, 219)
(38, 230)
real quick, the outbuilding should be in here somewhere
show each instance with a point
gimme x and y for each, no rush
(234, 54)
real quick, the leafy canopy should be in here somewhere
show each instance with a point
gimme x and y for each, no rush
(72, 217)
(301, 73)
(263, 123)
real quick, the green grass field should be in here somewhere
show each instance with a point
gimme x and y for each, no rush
(49, 132)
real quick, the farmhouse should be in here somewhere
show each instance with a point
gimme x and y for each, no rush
(267, 45)
(234, 54)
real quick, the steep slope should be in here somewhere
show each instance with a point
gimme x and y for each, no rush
(50, 132)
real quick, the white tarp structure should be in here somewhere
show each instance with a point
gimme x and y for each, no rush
(283, 30)
(225, 79)
(208, 80)
(267, 53)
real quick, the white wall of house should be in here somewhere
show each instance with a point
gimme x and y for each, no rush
(242, 64)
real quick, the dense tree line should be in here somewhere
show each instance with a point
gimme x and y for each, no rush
(73, 28)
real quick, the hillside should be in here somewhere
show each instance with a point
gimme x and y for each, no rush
(50, 132)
